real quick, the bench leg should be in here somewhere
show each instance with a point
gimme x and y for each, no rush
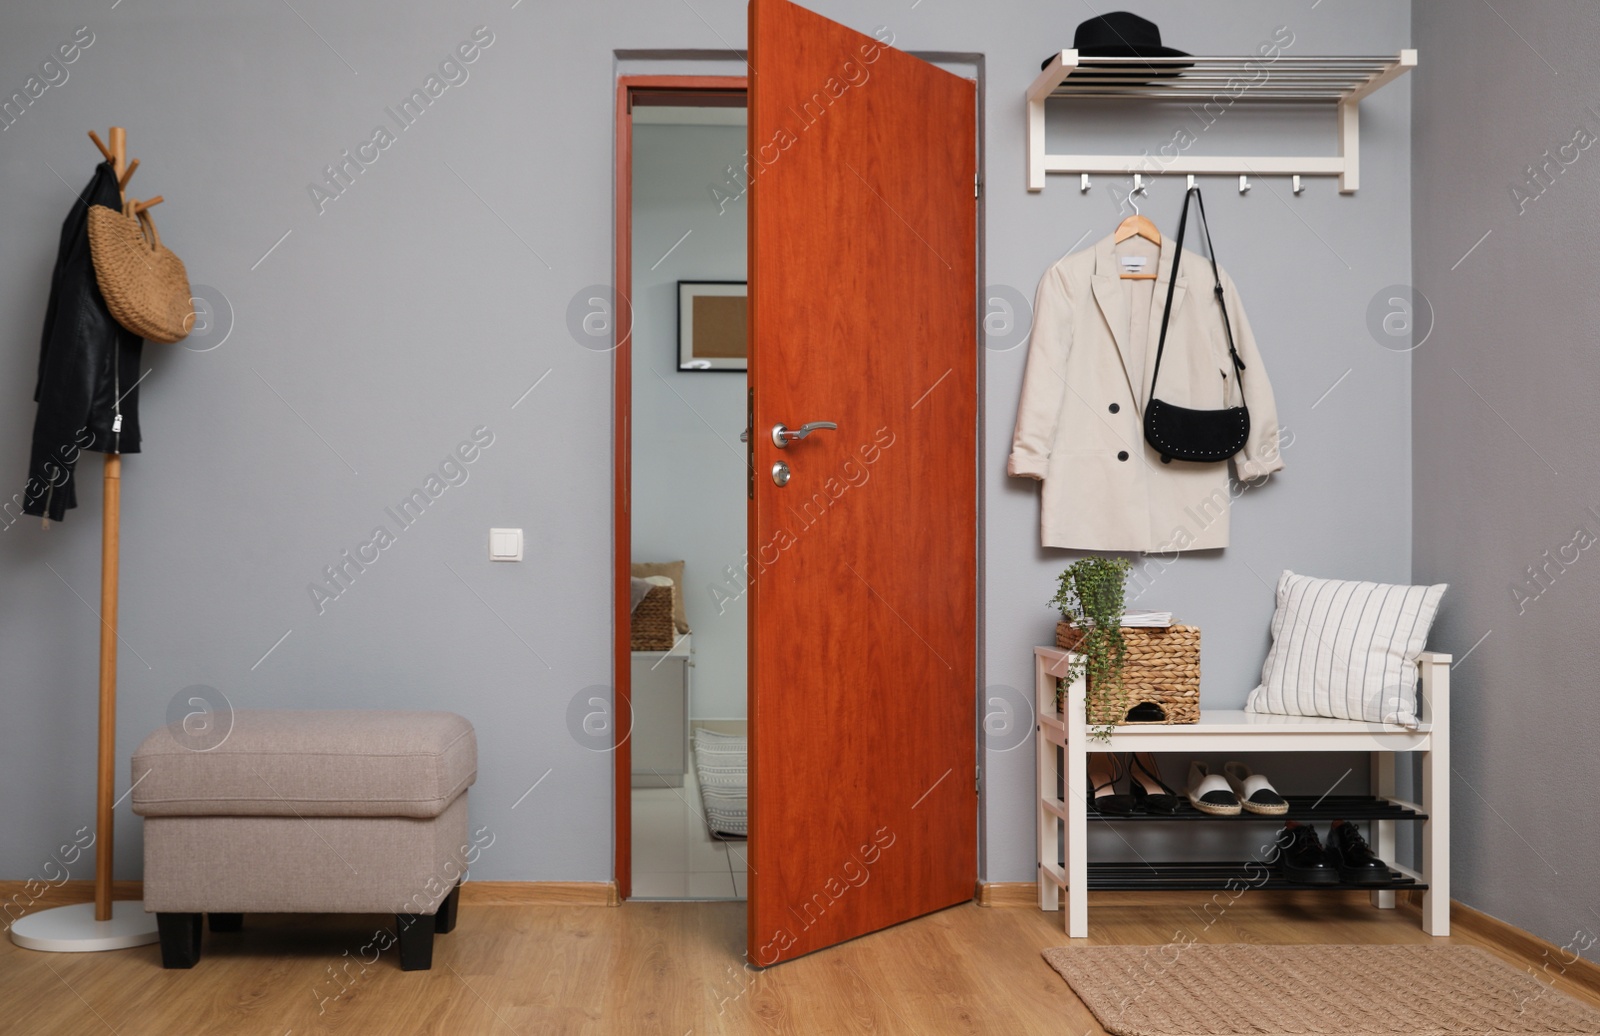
(1383, 785)
(225, 922)
(444, 922)
(180, 939)
(416, 941)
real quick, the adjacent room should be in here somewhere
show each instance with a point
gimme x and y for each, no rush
(749, 516)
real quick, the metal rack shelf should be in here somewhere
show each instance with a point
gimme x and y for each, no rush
(1340, 81)
(1305, 808)
(1235, 875)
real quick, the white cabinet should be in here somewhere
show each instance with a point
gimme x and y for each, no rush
(660, 736)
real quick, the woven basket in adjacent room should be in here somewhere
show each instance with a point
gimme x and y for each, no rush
(652, 621)
(1162, 668)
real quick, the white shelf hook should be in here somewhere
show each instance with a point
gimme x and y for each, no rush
(1244, 184)
(1298, 186)
(1083, 182)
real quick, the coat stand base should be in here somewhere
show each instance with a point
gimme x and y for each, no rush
(73, 929)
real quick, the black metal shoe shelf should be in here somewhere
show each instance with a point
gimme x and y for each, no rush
(1236, 875)
(1218, 876)
(1309, 809)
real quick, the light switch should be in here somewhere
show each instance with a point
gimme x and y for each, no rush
(505, 544)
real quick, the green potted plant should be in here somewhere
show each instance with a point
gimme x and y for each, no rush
(1089, 595)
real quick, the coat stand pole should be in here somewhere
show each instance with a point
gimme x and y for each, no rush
(110, 550)
(101, 925)
(104, 856)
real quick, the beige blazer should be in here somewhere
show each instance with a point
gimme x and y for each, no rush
(1080, 423)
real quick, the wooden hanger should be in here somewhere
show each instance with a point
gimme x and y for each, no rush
(1136, 225)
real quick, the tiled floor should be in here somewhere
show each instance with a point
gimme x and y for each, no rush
(674, 857)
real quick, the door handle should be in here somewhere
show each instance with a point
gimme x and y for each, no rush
(782, 437)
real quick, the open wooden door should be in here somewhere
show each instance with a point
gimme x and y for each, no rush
(863, 312)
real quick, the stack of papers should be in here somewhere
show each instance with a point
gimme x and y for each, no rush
(1146, 618)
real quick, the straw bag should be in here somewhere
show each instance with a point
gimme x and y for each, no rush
(145, 285)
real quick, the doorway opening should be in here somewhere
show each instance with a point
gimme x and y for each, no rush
(681, 645)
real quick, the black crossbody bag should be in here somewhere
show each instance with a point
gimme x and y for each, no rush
(1177, 432)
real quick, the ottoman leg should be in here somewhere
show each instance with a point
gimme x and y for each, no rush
(444, 922)
(225, 922)
(180, 939)
(416, 941)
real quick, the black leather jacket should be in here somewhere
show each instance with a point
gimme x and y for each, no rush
(88, 367)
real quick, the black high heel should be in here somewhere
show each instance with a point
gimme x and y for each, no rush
(1145, 778)
(1105, 769)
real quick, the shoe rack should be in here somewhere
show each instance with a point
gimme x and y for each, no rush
(1063, 744)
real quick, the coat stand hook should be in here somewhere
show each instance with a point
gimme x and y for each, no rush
(1190, 185)
(100, 144)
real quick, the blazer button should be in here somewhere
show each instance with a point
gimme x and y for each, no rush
(1114, 408)
(1122, 454)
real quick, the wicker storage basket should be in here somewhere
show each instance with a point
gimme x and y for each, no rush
(1162, 669)
(652, 621)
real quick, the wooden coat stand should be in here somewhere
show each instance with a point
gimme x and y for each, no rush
(69, 929)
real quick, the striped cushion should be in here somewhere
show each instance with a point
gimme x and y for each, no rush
(1346, 650)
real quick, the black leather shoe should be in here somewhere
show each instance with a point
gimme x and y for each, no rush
(1302, 858)
(1149, 790)
(1104, 772)
(1353, 857)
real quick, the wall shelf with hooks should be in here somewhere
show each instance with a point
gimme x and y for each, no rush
(1339, 81)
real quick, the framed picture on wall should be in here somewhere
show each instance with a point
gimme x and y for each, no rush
(713, 326)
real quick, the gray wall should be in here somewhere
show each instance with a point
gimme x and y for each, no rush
(425, 300)
(688, 464)
(1504, 407)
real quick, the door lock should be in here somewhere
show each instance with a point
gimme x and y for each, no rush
(780, 473)
(782, 437)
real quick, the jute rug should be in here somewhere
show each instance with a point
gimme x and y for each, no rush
(1179, 990)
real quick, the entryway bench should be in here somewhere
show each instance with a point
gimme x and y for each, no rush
(1064, 743)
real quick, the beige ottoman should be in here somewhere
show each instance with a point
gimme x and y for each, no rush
(307, 812)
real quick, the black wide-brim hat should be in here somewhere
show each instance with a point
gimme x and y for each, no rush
(1122, 34)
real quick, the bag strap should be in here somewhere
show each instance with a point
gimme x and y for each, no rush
(145, 223)
(1172, 286)
(154, 236)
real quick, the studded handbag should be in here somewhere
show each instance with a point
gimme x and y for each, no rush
(1183, 433)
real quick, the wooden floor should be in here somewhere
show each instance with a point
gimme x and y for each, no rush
(643, 968)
